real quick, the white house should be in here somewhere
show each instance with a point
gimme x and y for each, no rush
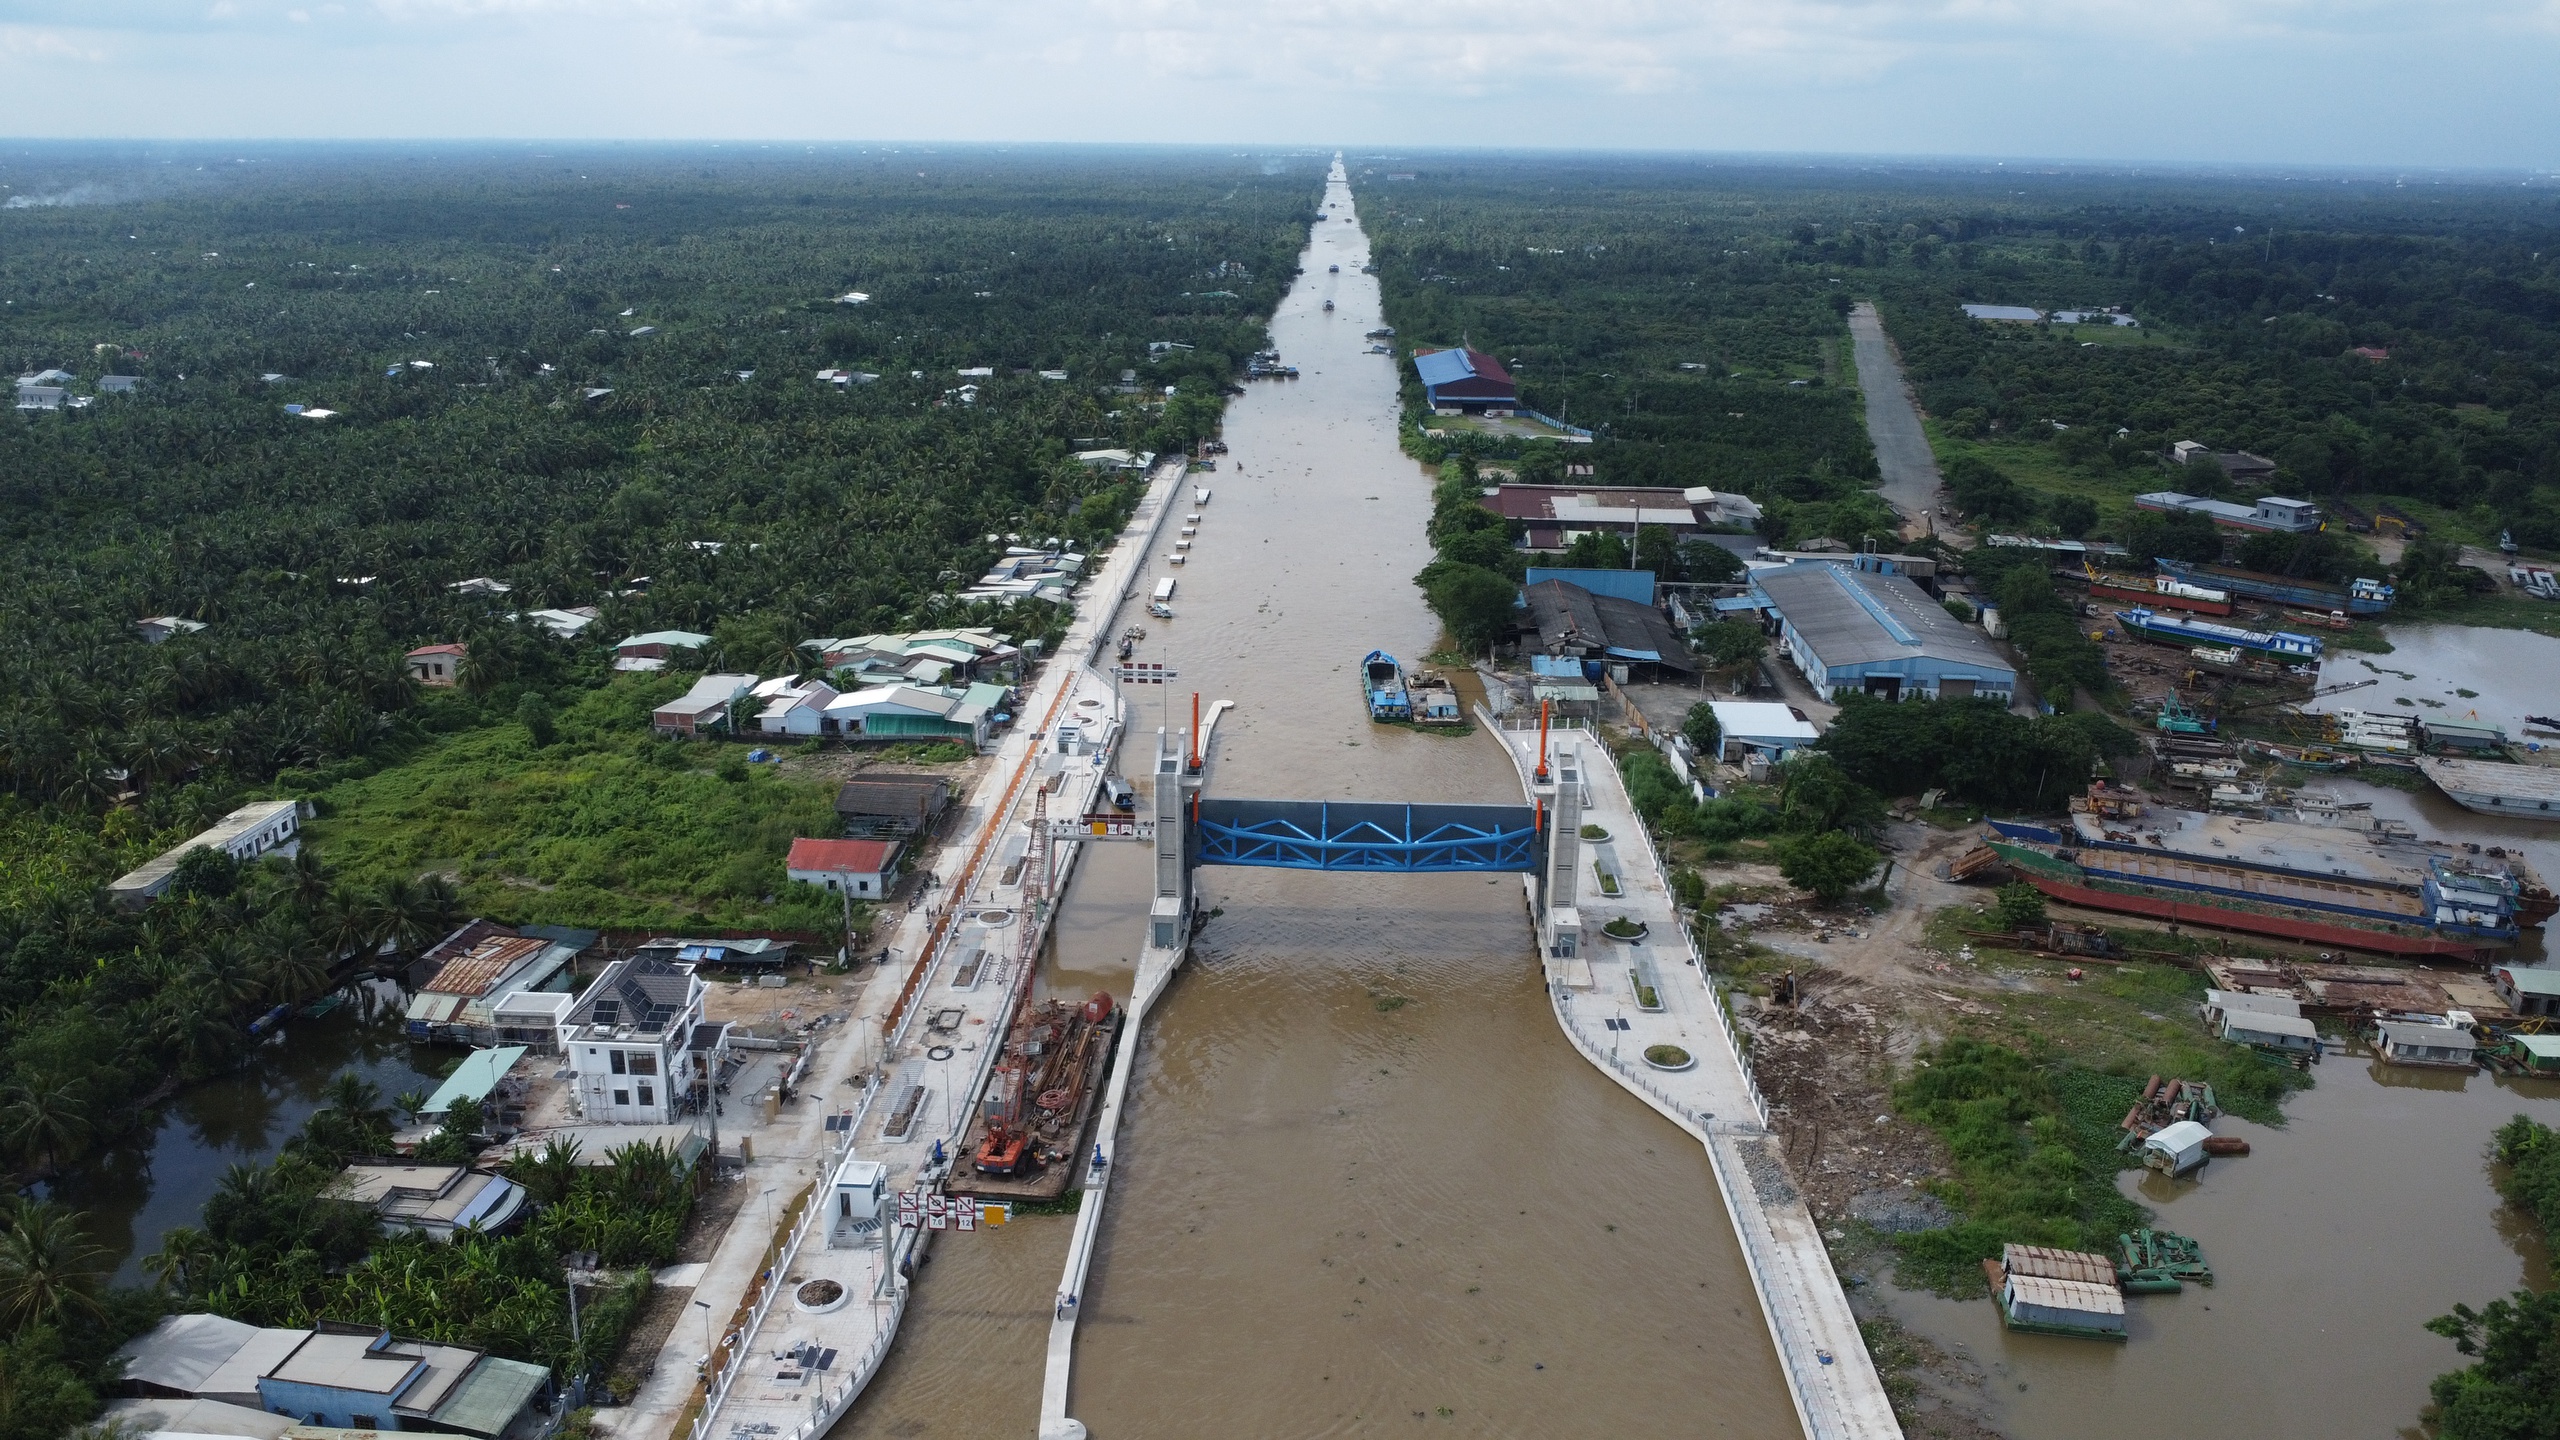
(793, 707)
(161, 627)
(867, 868)
(565, 623)
(625, 1041)
(909, 712)
(248, 834)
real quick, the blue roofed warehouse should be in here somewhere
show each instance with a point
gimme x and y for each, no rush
(1853, 629)
(1465, 381)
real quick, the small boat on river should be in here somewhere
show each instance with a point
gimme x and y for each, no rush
(1382, 684)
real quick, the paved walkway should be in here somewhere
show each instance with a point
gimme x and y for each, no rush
(1837, 1393)
(852, 1065)
(1911, 481)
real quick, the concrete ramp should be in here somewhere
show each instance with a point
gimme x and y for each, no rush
(1367, 835)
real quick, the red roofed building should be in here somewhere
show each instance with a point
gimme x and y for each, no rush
(866, 868)
(437, 664)
(2370, 352)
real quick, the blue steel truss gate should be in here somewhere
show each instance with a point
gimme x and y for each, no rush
(1367, 835)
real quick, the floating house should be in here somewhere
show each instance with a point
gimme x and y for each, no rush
(2176, 1149)
(2057, 1292)
(2528, 990)
(2435, 1046)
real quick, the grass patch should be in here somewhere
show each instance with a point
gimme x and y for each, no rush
(2367, 639)
(609, 826)
(2028, 1100)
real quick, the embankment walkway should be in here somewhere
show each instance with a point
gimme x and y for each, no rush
(1837, 1393)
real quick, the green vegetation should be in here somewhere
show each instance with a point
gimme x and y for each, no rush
(1595, 832)
(1703, 731)
(607, 826)
(2019, 907)
(1977, 750)
(276, 1249)
(2511, 1390)
(1830, 863)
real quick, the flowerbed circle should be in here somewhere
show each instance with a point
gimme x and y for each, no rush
(995, 919)
(1595, 832)
(1668, 1057)
(817, 1297)
(940, 1052)
(1623, 928)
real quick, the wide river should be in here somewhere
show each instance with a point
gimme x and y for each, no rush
(1366, 1183)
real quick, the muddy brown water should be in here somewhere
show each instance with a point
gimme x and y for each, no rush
(1365, 1183)
(2332, 1243)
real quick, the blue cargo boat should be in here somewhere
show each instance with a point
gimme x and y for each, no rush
(1382, 681)
(2186, 630)
(2356, 597)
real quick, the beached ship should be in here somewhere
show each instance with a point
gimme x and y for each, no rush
(1382, 684)
(2161, 593)
(2187, 633)
(2356, 597)
(2374, 888)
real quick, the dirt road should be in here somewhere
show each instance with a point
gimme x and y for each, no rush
(1911, 479)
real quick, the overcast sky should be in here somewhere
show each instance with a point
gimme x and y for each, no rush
(2349, 82)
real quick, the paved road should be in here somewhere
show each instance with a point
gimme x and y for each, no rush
(1893, 422)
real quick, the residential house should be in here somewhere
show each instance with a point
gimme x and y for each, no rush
(1115, 459)
(480, 585)
(793, 707)
(458, 1004)
(878, 803)
(2427, 1044)
(755, 952)
(866, 869)
(161, 627)
(2273, 513)
(652, 650)
(119, 384)
(704, 708)
(248, 835)
(910, 712)
(343, 1376)
(437, 1201)
(438, 665)
(625, 1040)
(565, 623)
(42, 397)
(2529, 990)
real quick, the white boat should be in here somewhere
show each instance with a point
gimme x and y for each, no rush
(2521, 792)
(1175, 559)
(1164, 590)
(1160, 610)
(1190, 529)
(1199, 496)
(1181, 544)
(1193, 517)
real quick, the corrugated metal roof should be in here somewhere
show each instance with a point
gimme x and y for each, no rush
(2409, 1032)
(2261, 1022)
(1853, 617)
(477, 1075)
(2046, 1262)
(2077, 1295)
(2541, 1047)
(485, 965)
(493, 1394)
(2527, 980)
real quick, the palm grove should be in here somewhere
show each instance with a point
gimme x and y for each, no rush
(589, 378)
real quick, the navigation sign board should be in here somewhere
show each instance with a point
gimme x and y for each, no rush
(1150, 672)
(1110, 826)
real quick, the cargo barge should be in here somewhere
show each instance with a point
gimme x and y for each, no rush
(2519, 792)
(1030, 1129)
(2184, 632)
(2371, 874)
(1382, 685)
(2356, 597)
(2069, 883)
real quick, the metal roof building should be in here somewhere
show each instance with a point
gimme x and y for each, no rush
(1851, 629)
(1465, 380)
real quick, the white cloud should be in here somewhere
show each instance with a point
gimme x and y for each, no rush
(2220, 79)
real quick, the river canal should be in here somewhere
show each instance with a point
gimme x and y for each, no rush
(1365, 1179)
(137, 1191)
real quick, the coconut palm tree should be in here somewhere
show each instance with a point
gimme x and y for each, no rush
(46, 1121)
(357, 1098)
(49, 1268)
(182, 1260)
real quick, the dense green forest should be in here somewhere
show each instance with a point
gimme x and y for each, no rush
(2379, 341)
(593, 377)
